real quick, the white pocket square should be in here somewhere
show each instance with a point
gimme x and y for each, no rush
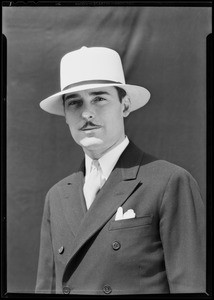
(129, 214)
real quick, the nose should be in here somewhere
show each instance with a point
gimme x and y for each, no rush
(88, 115)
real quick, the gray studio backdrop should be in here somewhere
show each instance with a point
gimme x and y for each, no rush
(162, 48)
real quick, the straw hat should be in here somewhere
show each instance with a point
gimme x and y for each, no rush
(89, 68)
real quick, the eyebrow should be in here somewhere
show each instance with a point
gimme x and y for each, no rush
(72, 96)
(91, 94)
(99, 93)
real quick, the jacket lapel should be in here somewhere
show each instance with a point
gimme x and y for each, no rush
(73, 202)
(119, 186)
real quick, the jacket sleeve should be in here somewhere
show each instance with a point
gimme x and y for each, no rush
(46, 274)
(182, 231)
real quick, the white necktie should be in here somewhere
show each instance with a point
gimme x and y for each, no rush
(93, 183)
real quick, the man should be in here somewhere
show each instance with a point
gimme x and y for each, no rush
(125, 222)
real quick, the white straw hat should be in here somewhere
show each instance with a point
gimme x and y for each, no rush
(89, 68)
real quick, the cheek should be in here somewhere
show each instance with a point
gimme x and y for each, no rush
(72, 123)
(111, 115)
(71, 119)
(115, 121)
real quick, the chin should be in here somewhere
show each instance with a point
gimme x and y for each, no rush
(90, 142)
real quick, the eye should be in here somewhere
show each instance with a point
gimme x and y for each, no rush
(74, 103)
(99, 99)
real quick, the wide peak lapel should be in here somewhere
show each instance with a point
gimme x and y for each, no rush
(120, 184)
(73, 200)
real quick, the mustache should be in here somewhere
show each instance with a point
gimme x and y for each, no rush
(88, 124)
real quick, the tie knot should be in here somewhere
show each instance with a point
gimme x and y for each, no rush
(95, 164)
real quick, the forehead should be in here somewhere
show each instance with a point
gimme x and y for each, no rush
(109, 91)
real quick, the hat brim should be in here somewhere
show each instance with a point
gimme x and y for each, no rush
(139, 96)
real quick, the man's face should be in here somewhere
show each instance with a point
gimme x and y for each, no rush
(95, 118)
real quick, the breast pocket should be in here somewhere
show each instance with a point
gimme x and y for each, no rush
(145, 221)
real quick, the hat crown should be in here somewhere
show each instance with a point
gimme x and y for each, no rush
(87, 64)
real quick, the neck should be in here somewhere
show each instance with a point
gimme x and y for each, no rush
(98, 153)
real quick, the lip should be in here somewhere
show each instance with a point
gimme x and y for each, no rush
(90, 128)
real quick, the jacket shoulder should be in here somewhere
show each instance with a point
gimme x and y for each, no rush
(163, 168)
(152, 164)
(63, 182)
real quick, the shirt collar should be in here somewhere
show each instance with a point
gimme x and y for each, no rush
(108, 160)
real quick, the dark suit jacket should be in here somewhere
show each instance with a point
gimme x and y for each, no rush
(162, 250)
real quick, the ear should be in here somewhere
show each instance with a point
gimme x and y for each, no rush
(126, 106)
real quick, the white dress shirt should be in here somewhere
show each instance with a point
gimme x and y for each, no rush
(108, 160)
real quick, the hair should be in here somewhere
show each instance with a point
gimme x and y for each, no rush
(63, 100)
(121, 94)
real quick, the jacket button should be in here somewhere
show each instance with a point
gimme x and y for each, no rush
(107, 289)
(66, 290)
(61, 250)
(116, 245)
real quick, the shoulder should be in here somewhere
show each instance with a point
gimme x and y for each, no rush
(151, 164)
(62, 184)
(162, 169)
(161, 175)
(166, 167)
